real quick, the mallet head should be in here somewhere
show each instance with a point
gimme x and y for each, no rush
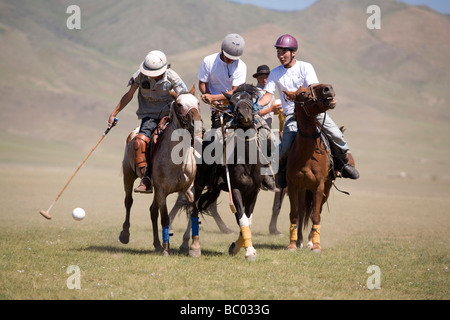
(45, 214)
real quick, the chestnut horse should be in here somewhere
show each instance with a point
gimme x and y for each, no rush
(309, 169)
(168, 176)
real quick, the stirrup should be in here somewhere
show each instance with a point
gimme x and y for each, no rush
(268, 183)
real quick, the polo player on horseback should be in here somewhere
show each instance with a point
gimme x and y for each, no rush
(289, 76)
(222, 73)
(154, 79)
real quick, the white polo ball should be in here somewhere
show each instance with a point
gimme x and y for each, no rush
(78, 214)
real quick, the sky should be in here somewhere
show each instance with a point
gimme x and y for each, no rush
(442, 6)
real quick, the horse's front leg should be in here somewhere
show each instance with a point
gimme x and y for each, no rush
(315, 230)
(245, 235)
(239, 243)
(250, 251)
(276, 208)
(154, 218)
(294, 218)
(194, 249)
(128, 180)
(165, 221)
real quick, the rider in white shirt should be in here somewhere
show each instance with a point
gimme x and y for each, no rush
(289, 76)
(222, 72)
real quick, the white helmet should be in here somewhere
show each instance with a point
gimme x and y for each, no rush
(233, 46)
(154, 64)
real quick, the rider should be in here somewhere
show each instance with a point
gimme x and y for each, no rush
(154, 79)
(289, 76)
(261, 75)
(222, 72)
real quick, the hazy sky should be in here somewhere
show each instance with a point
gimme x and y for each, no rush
(438, 5)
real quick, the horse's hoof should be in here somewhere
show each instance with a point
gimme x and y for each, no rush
(292, 246)
(165, 253)
(195, 253)
(250, 258)
(250, 254)
(316, 248)
(275, 232)
(124, 237)
(309, 245)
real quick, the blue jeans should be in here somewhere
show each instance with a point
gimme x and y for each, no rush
(332, 131)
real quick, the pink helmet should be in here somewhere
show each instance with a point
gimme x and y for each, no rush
(287, 41)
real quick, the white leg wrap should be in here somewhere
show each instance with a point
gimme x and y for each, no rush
(244, 221)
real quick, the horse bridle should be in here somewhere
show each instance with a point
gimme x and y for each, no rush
(254, 106)
(312, 98)
(182, 118)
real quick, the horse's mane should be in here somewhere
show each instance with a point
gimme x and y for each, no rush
(249, 88)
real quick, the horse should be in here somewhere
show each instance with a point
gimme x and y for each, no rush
(245, 176)
(181, 202)
(309, 170)
(168, 176)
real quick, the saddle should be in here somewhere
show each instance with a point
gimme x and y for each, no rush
(154, 141)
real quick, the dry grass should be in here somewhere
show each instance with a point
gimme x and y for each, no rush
(407, 237)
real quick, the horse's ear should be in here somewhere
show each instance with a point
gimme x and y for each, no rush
(289, 95)
(192, 91)
(173, 94)
(226, 95)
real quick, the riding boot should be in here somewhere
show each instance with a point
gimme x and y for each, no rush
(140, 148)
(268, 182)
(145, 186)
(346, 166)
(281, 176)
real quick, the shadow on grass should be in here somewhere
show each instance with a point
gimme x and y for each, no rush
(134, 251)
(270, 246)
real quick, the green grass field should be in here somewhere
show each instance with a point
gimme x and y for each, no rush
(405, 236)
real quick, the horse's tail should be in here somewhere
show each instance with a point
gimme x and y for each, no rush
(308, 207)
(207, 198)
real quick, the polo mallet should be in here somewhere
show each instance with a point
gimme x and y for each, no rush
(232, 207)
(46, 214)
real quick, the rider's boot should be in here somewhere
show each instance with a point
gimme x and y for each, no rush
(140, 147)
(346, 166)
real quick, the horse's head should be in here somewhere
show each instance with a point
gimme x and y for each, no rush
(315, 99)
(241, 104)
(186, 109)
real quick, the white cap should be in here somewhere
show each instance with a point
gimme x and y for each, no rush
(233, 46)
(154, 64)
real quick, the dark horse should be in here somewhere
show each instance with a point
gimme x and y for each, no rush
(309, 169)
(173, 169)
(244, 167)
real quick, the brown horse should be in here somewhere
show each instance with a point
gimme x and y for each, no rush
(309, 170)
(168, 175)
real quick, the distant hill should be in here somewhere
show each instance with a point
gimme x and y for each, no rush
(60, 85)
